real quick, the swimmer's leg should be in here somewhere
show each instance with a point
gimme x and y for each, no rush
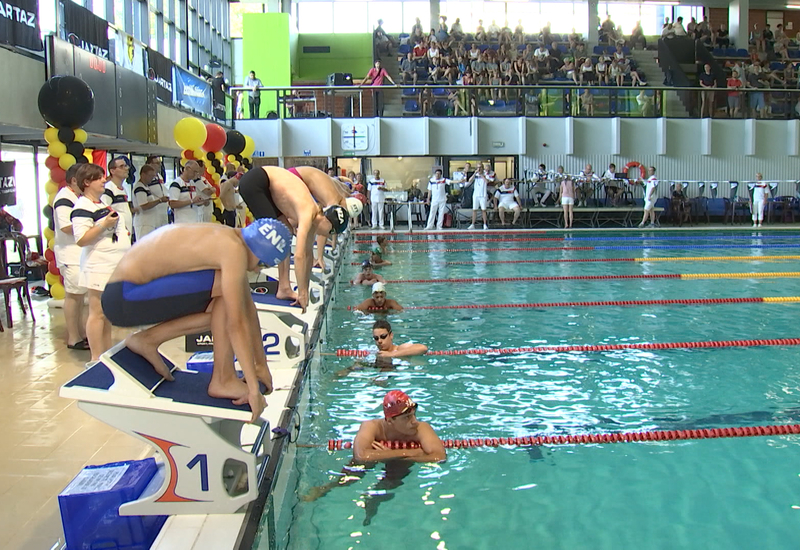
(285, 291)
(224, 382)
(146, 342)
(396, 471)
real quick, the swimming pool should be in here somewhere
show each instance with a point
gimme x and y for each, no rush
(710, 494)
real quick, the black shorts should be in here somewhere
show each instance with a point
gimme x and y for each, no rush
(127, 304)
(254, 189)
(229, 218)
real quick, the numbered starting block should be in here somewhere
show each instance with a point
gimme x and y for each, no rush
(204, 467)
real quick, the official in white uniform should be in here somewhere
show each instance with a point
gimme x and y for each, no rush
(182, 197)
(147, 204)
(115, 195)
(377, 198)
(650, 187)
(437, 198)
(507, 199)
(760, 190)
(68, 260)
(479, 190)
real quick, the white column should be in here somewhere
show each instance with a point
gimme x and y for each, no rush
(594, 24)
(739, 22)
(434, 4)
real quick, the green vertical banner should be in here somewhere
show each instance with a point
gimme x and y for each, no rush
(266, 50)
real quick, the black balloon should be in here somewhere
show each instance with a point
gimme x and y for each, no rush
(51, 224)
(66, 102)
(75, 149)
(210, 155)
(235, 143)
(48, 212)
(81, 160)
(66, 136)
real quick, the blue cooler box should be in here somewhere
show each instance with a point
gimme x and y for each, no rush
(90, 507)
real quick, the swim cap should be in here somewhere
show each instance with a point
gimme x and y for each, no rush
(337, 216)
(378, 287)
(270, 240)
(365, 264)
(378, 251)
(354, 206)
(396, 403)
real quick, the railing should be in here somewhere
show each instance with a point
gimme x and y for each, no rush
(550, 100)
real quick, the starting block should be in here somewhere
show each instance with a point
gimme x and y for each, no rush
(204, 468)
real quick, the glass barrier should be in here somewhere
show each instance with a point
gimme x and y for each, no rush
(444, 100)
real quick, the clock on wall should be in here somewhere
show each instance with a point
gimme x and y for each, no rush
(355, 137)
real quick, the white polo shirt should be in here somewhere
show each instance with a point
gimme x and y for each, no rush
(438, 189)
(117, 200)
(180, 190)
(67, 252)
(105, 253)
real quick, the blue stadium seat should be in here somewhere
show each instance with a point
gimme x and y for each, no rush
(440, 92)
(775, 66)
(598, 50)
(718, 52)
(556, 38)
(411, 107)
(410, 92)
(495, 47)
(440, 107)
(483, 47)
(521, 47)
(611, 50)
(794, 54)
(563, 48)
(404, 49)
(403, 35)
(626, 50)
(741, 52)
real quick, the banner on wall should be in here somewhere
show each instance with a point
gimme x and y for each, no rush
(159, 70)
(84, 29)
(19, 24)
(192, 92)
(8, 185)
(129, 53)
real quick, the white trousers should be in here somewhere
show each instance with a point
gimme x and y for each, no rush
(441, 208)
(758, 211)
(377, 213)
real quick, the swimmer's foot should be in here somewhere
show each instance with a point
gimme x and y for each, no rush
(233, 388)
(138, 344)
(286, 295)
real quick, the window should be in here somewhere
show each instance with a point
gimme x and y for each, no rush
(99, 8)
(390, 12)
(166, 40)
(315, 17)
(528, 12)
(413, 10)
(47, 16)
(559, 15)
(494, 11)
(27, 210)
(153, 24)
(351, 17)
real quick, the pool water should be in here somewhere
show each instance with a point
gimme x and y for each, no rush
(708, 494)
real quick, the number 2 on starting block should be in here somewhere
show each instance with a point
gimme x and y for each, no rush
(271, 340)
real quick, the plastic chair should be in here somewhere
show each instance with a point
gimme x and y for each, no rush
(15, 281)
(411, 107)
(440, 92)
(741, 52)
(410, 92)
(718, 52)
(405, 49)
(598, 50)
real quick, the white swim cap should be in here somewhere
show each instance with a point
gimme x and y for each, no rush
(378, 287)
(354, 206)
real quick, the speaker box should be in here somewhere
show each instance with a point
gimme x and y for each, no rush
(340, 79)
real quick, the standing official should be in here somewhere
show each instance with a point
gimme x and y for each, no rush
(437, 198)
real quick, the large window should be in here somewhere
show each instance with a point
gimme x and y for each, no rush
(351, 15)
(315, 17)
(413, 10)
(237, 10)
(27, 209)
(390, 12)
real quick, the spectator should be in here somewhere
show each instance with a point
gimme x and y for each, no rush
(755, 81)
(768, 38)
(541, 56)
(638, 41)
(601, 70)
(437, 199)
(721, 38)
(545, 37)
(255, 94)
(587, 102)
(679, 205)
(218, 82)
(569, 69)
(417, 28)
(567, 194)
(708, 82)
(556, 58)
(586, 72)
(494, 31)
(645, 103)
(408, 69)
(617, 73)
(506, 37)
(692, 28)
(480, 32)
(668, 31)
(678, 27)
(456, 31)
(441, 33)
(377, 197)
(375, 77)
(9, 223)
(608, 31)
(507, 198)
(519, 33)
(757, 38)
(382, 41)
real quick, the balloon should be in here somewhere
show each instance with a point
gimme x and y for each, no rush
(249, 147)
(82, 160)
(49, 255)
(66, 135)
(51, 135)
(199, 155)
(190, 133)
(51, 162)
(51, 187)
(360, 197)
(48, 212)
(58, 174)
(66, 160)
(187, 154)
(215, 137)
(57, 291)
(51, 279)
(53, 268)
(231, 158)
(75, 149)
(66, 101)
(56, 149)
(183, 162)
(51, 245)
(48, 234)
(80, 135)
(210, 156)
(235, 142)
(51, 224)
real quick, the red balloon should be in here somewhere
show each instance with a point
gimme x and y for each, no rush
(52, 268)
(189, 154)
(58, 174)
(215, 137)
(51, 162)
(49, 255)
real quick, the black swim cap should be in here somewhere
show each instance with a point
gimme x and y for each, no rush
(337, 216)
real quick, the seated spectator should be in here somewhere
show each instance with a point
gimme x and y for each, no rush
(781, 52)
(586, 72)
(568, 68)
(456, 31)
(541, 54)
(420, 54)
(494, 31)
(383, 42)
(768, 38)
(417, 28)
(587, 102)
(528, 53)
(545, 37)
(441, 33)
(573, 39)
(507, 198)
(408, 69)
(608, 31)
(495, 80)
(638, 41)
(617, 73)
(492, 64)
(721, 38)
(757, 38)
(668, 31)
(519, 33)
(679, 205)
(636, 78)
(432, 38)
(505, 36)
(679, 28)
(645, 103)
(480, 32)
(612, 184)
(556, 58)
(531, 72)
(433, 53)
(519, 69)
(474, 52)
(692, 29)
(478, 65)
(601, 70)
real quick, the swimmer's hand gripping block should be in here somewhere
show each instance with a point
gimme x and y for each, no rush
(204, 468)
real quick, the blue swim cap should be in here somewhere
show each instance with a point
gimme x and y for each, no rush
(270, 240)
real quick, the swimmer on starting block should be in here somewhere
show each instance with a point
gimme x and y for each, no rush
(273, 192)
(379, 303)
(188, 278)
(399, 423)
(367, 275)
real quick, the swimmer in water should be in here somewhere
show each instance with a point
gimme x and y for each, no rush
(367, 275)
(384, 338)
(379, 303)
(376, 257)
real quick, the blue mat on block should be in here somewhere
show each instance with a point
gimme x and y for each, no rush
(97, 377)
(271, 300)
(139, 367)
(192, 389)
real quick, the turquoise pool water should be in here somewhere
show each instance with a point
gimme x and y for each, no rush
(712, 494)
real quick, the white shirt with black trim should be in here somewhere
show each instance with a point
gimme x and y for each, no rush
(142, 194)
(180, 190)
(117, 199)
(104, 254)
(66, 251)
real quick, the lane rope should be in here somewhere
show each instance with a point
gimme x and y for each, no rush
(677, 301)
(682, 276)
(640, 260)
(595, 347)
(479, 239)
(619, 437)
(584, 248)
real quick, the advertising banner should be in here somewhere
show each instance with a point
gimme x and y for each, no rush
(19, 24)
(192, 92)
(85, 30)
(129, 53)
(159, 70)
(8, 186)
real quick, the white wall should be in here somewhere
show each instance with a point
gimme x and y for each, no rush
(681, 149)
(20, 89)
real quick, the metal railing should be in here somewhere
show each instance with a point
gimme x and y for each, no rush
(553, 99)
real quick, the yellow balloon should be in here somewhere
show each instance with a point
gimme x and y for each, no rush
(51, 187)
(51, 244)
(51, 279)
(183, 162)
(249, 146)
(51, 135)
(199, 155)
(88, 154)
(65, 161)
(80, 135)
(231, 158)
(56, 149)
(190, 133)
(57, 291)
(48, 233)
(216, 177)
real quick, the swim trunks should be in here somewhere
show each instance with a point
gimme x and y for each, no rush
(173, 296)
(254, 189)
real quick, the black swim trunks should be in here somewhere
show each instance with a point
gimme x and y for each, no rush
(254, 189)
(170, 297)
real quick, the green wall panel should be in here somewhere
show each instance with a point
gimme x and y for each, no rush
(350, 53)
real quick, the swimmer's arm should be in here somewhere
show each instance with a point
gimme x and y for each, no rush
(364, 447)
(431, 444)
(393, 304)
(320, 257)
(364, 306)
(406, 350)
(302, 258)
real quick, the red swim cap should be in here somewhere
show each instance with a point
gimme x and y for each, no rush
(396, 403)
